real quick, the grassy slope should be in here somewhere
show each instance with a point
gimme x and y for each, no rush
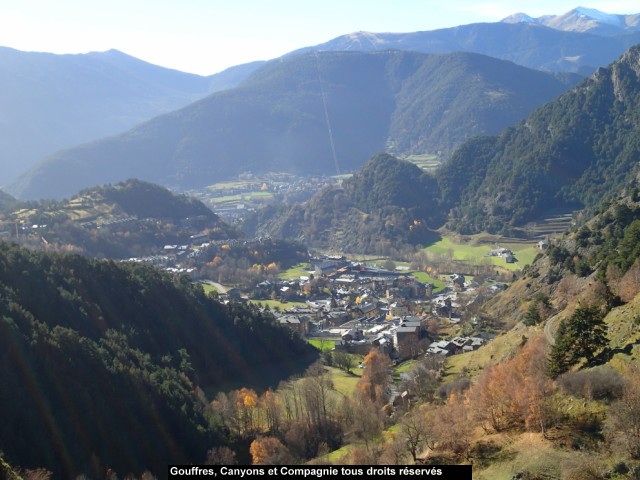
(208, 288)
(495, 351)
(624, 334)
(322, 344)
(297, 271)
(474, 252)
(530, 451)
(424, 277)
(272, 304)
(343, 382)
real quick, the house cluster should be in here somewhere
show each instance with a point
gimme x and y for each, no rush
(233, 200)
(364, 306)
(455, 345)
(169, 262)
(504, 253)
(399, 337)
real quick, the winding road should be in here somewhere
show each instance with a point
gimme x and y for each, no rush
(548, 326)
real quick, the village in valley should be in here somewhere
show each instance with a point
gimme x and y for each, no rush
(356, 306)
(350, 305)
(353, 305)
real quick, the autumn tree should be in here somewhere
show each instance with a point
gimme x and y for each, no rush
(376, 377)
(221, 456)
(246, 403)
(308, 413)
(394, 452)
(452, 427)
(496, 405)
(421, 381)
(416, 429)
(629, 284)
(318, 395)
(237, 411)
(514, 393)
(433, 326)
(363, 418)
(271, 406)
(536, 388)
(622, 426)
(269, 451)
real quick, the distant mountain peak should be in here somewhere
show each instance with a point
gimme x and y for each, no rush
(374, 39)
(519, 18)
(598, 15)
(583, 19)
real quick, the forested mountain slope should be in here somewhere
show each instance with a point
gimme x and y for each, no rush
(573, 152)
(387, 204)
(105, 365)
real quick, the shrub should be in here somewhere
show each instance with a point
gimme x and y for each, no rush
(600, 383)
(456, 386)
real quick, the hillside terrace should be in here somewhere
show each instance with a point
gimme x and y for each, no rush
(232, 200)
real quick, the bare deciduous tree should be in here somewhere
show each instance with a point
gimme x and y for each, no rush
(221, 456)
(622, 426)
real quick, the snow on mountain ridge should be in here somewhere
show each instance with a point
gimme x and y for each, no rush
(583, 19)
(601, 17)
(520, 18)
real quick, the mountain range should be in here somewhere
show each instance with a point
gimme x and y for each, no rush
(579, 41)
(50, 102)
(583, 19)
(577, 151)
(310, 113)
(57, 101)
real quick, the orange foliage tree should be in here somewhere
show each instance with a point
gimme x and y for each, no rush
(376, 376)
(514, 393)
(268, 451)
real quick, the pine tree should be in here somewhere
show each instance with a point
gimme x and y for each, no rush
(581, 336)
(559, 361)
(587, 331)
(532, 317)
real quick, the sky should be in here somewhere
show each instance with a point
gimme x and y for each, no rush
(207, 36)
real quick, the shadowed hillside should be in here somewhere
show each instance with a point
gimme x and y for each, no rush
(309, 114)
(108, 362)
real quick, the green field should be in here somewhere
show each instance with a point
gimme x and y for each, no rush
(424, 277)
(475, 253)
(344, 383)
(322, 344)
(297, 271)
(272, 304)
(208, 288)
(241, 197)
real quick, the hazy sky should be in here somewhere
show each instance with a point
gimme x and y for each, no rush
(207, 36)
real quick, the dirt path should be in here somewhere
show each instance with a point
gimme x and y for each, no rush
(548, 327)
